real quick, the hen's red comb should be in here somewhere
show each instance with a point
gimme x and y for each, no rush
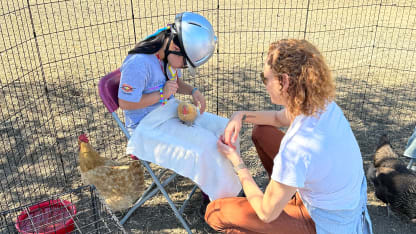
(185, 110)
(83, 138)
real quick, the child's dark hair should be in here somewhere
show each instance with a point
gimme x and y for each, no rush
(153, 44)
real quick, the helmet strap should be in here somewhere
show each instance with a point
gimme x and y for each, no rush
(167, 52)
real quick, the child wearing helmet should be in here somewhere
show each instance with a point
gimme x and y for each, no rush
(151, 72)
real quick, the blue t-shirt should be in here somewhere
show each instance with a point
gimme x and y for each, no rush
(140, 74)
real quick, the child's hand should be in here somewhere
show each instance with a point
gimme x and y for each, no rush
(199, 100)
(170, 88)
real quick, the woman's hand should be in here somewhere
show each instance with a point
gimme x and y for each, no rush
(171, 86)
(233, 128)
(228, 151)
(199, 99)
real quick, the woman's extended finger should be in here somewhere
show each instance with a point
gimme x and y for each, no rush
(235, 135)
(229, 129)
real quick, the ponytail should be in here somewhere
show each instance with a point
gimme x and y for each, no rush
(152, 43)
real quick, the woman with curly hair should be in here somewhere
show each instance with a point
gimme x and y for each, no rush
(317, 182)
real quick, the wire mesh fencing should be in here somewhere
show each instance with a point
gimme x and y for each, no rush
(53, 52)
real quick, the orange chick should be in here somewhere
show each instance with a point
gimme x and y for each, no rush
(187, 112)
(120, 185)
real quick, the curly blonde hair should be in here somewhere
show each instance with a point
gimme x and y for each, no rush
(311, 86)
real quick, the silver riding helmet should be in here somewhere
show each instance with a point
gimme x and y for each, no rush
(196, 37)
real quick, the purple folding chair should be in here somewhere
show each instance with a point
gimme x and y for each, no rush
(108, 90)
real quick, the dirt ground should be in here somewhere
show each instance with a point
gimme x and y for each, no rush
(53, 54)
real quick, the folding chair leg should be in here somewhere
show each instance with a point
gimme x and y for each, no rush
(175, 210)
(146, 196)
(154, 184)
(170, 202)
(409, 166)
(187, 200)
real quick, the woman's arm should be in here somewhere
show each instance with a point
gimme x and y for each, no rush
(267, 206)
(274, 118)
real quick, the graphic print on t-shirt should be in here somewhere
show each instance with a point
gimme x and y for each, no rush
(127, 89)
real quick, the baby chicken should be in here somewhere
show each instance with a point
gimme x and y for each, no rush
(187, 113)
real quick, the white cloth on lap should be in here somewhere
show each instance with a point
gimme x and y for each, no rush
(190, 151)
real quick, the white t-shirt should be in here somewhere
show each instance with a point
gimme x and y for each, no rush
(320, 156)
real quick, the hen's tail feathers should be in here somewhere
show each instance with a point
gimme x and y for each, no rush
(384, 140)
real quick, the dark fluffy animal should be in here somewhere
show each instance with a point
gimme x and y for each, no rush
(394, 184)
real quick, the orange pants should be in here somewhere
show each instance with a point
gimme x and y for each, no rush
(235, 215)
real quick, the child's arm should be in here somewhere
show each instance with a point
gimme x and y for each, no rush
(184, 88)
(146, 100)
(149, 99)
(198, 98)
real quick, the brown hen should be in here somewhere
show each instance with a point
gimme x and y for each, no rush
(120, 185)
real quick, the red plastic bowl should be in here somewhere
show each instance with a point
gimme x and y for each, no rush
(53, 216)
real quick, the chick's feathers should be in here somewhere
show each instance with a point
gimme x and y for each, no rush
(119, 184)
(187, 112)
